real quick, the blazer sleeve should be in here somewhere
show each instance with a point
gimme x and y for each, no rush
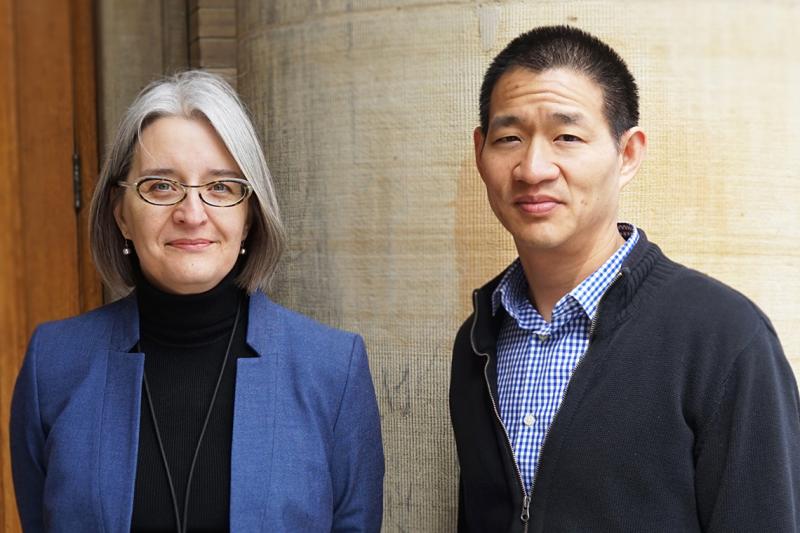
(748, 454)
(27, 443)
(357, 462)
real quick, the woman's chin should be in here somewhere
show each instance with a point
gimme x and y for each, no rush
(188, 284)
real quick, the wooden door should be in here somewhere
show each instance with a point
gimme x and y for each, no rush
(48, 165)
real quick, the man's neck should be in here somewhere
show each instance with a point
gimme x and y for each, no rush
(553, 273)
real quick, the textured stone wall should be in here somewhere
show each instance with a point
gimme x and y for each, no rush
(212, 37)
(136, 43)
(367, 108)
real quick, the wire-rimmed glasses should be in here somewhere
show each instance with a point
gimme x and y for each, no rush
(158, 190)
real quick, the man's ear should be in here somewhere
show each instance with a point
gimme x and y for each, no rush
(478, 140)
(632, 149)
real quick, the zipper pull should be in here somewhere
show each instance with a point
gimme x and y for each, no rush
(526, 509)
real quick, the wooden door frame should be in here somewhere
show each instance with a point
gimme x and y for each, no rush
(47, 117)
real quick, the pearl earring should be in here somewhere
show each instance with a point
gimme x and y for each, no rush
(242, 250)
(126, 250)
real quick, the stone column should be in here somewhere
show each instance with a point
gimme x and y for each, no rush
(367, 108)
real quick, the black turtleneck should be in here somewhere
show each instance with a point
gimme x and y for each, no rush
(184, 338)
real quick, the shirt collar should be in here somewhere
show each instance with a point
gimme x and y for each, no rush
(512, 291)
(590, 290)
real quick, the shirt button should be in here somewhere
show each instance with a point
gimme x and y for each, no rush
(543, 336)
(529, 419)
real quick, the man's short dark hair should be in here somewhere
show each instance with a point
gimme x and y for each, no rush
(550, 47)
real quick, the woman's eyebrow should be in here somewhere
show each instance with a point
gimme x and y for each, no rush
(157, 172)
(224, 173)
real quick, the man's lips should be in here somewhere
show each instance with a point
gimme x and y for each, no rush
(190, 244)
(536, 204)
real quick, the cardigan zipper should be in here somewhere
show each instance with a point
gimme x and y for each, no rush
(526, 499)
(592, 327)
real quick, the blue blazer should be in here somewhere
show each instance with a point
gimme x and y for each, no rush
(306, 451)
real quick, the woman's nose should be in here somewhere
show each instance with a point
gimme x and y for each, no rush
(191, 210)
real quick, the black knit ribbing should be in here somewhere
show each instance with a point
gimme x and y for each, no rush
(184, 340)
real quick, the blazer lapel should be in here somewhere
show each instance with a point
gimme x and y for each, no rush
(254, 415)
(119, 426)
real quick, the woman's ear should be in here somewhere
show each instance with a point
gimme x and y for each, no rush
(120, 218)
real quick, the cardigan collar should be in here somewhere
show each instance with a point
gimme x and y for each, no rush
(636, 267)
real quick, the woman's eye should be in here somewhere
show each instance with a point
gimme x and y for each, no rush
(219, 187)
(159, 186)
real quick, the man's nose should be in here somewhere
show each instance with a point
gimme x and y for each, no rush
(538, 164)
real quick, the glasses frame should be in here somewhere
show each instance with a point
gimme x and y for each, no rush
(248, 189)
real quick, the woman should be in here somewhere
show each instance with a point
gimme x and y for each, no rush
(195, 403)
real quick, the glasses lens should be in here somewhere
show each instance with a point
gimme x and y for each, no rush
(224, 193)
(160, 191)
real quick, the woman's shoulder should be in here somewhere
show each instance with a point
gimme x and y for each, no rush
(262, 308)
(287, 330)
(83, 331)
(95, 319)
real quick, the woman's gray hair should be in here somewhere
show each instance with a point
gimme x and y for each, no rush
(190, 94)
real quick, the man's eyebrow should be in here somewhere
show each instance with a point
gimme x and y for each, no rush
(503, 121)
(567, 119)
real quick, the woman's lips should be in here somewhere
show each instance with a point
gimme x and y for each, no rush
(190, 244)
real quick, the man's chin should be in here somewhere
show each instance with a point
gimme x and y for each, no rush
(539, 243)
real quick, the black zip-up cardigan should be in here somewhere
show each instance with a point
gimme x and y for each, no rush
(682, 416)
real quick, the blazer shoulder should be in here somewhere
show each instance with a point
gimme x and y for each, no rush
(303, 333)
(84, 331)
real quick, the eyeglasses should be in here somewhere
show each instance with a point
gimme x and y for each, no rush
(158, 190)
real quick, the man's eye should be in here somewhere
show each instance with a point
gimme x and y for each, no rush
(566, 137)
(507, 139)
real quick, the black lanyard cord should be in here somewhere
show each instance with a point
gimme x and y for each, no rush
(163, 453)
(182, 524)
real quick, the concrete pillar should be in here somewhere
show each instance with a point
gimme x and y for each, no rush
(367, 108)
(136, 43)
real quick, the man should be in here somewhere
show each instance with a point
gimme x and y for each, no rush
(598, 386)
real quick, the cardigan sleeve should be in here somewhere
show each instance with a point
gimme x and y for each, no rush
(27, 443)
(357, 465)
(748, 453)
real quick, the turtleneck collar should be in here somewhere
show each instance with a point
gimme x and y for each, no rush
(187, 319)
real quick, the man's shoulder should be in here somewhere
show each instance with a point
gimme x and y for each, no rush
(482, 306)
(706, 301)
(462, 337)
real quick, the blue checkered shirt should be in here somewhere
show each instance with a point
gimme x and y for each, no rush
(535, 358)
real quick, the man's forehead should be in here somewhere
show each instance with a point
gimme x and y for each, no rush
(562, 117)
(567, 94)
(566, 78)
